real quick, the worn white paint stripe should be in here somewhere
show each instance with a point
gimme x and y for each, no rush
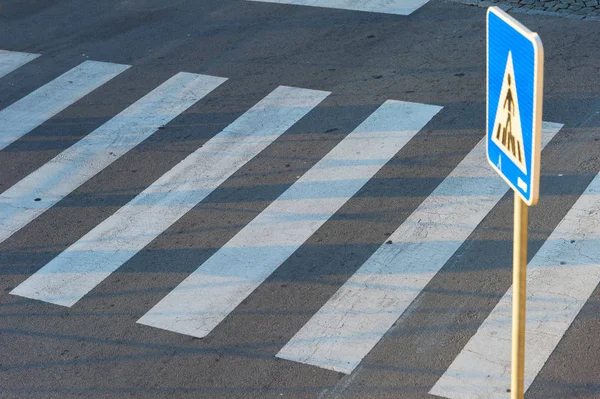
(398, 7)
(209, 294)
(357, 316)
(43, 188)
(85, 264)
(34, 109)
(11, 60)
(560, 279)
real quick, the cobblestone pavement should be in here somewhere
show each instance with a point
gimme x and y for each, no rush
(578, 9)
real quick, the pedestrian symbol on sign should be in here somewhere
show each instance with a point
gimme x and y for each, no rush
(508, 134)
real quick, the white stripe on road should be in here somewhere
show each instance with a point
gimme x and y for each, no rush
(398, 7)
(11, 60)
(209, 294)
(85, 264)
(560, 279)
(34, 109)
(358, 315)
(43, 188)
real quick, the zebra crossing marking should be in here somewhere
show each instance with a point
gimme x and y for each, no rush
(26, 114)
(397, 7)
(43, 188)
(358, 315)
(86, 263)
(347, 327)
(197, 305)
(11, 60)
(560, 279)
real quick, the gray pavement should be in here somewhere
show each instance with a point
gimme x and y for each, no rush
(436, 55)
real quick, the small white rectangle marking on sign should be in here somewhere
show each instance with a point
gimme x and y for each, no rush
(397, 7)
(560, 278)
(522, 185)
(84, 159)
(86, 263)
(207, 296)
(23, 116)
(11, 60)
(358, 315)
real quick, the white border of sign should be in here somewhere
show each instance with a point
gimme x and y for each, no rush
(538, 92)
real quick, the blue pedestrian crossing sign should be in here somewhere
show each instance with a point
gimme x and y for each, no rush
(515, 65)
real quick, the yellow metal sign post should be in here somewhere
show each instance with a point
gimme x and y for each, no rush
(519, 298)
(515, 73)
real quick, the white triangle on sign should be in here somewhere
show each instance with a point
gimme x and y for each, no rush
(507, 133)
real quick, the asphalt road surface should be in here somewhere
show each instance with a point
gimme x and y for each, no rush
(243, 199)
